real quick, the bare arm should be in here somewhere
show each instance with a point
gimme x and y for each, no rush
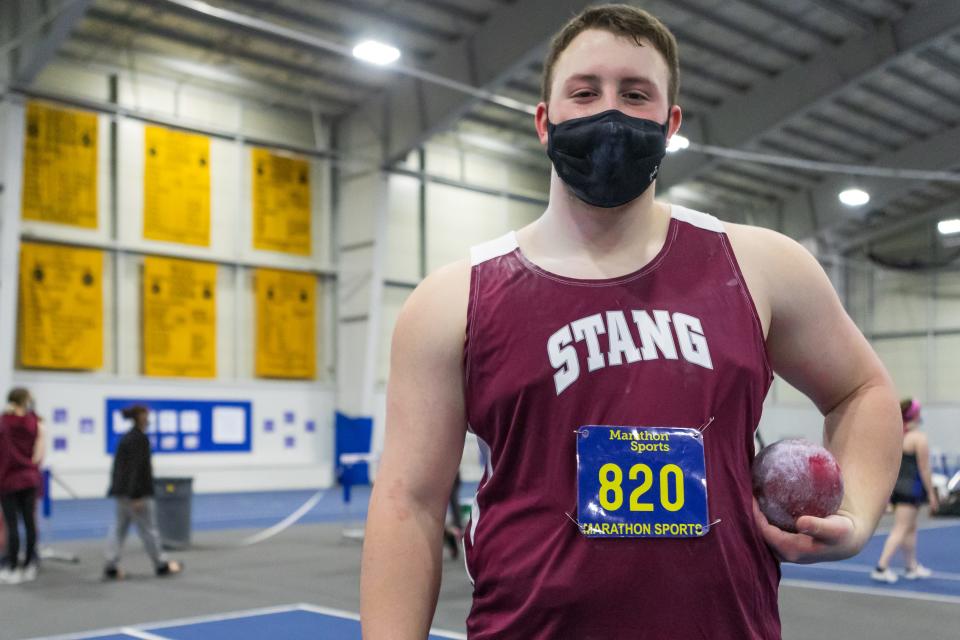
(40, 445)
(816, 347)
(426, 424)
(926, 475)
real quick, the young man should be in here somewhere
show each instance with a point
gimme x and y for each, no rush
(131, 486)
(613, 309)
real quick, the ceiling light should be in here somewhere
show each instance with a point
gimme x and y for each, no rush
(854, 197)
(376, 52)
(677, 142)
(948, 227)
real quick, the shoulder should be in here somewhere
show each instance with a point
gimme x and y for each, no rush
(437, 308)
(766, 247)
(780, 270)
(443, 286)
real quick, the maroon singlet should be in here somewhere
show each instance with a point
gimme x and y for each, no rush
(18, 437)
(674, 344)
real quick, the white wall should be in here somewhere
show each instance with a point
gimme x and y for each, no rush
(456, 219)
(85, 465)
(271, 464)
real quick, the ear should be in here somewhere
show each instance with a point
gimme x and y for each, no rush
(540, 120)
(674, 120)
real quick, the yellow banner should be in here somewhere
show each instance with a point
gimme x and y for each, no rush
(281, 202)
(176, 186)
(286, 324)
(61, 307)
(60, 166)
(179, 318)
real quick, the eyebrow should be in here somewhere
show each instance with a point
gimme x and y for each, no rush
(594, 78)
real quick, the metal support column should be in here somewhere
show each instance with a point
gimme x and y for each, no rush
(11, 179)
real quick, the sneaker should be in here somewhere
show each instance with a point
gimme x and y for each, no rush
(11, 576)
(884, 575)
(29, 573)
(918, 571)
(113, 573)
(169, 568)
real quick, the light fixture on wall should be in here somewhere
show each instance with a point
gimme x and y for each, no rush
(949, 227)
(854, 197)
(677, 143)
(376, 52)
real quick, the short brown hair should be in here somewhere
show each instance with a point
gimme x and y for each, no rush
(620, 20)
(133, 411)
(18, 396)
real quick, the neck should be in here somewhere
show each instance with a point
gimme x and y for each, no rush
(571, 227)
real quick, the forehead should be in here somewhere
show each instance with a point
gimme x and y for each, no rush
(599, 52)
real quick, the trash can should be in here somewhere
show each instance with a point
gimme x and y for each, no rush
(174, 497)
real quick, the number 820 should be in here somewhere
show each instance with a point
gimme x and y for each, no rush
(611, 489)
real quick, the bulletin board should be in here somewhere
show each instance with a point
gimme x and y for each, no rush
(176, 186)
(286, 324)
(61, 307)
(179, 318)
(185, 426)
(60, 166)
(281, 202)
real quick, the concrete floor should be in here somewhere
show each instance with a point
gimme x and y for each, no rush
(314, 564)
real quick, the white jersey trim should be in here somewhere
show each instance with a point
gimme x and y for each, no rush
(475, 507)
(697, 218)
(493, 248)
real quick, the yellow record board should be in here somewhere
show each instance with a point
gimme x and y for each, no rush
(61, 307)
(179, 318)
(281, 202)
(286, 324)
(60, 166)
(176, 186)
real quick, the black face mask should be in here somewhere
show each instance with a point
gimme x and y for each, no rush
(609, 158)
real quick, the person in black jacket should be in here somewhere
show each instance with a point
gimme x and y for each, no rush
(131, 485)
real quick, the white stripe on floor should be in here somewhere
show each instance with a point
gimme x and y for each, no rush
(143, 635)
(870, 591)
(865, 568)
(340, 613)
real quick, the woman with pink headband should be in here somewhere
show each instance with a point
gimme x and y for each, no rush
(914, 487)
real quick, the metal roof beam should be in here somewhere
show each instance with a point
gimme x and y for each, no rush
(245, 88)
(453, 10)
(742, 120)
(40, 36)
(821, 203)
(413, 110)
(747, 33)
(850, 14)
(231, 50)
(905, 223)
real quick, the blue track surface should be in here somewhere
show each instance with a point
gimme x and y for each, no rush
(937, 548)
(296, 622)
(90, 518)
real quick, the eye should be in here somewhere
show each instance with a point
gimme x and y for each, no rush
(635, 95)
(584, 93)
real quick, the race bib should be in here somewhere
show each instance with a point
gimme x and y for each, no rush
(641, 482)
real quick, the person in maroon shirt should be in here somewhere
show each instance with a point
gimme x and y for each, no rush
(616, 314)
(21, 450)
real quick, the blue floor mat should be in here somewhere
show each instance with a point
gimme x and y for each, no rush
(91, 517)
